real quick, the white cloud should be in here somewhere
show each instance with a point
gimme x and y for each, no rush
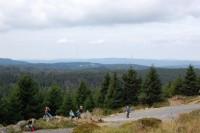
(126, 28)
(50, 13)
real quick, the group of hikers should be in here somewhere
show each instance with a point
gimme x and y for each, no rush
(77, 114)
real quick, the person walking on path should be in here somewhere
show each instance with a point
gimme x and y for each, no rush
(71, 114)
(128, 110)
(47, 113)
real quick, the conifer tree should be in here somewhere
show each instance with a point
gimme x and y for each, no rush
(67, 105)
(26, 95)
(104, 90)
(114, 96)
(177, 84)
(131, 87)
(190, 86)
(3, 111)
(151, 90)
(54, 99)
(89, 103)
(82, 94)
(14, 108)
(173, 88)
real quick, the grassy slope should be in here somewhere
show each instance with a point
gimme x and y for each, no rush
(186, 123)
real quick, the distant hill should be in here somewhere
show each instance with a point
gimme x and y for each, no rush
(100, 63)
(6, 62)
(143, 62)
(68, 65)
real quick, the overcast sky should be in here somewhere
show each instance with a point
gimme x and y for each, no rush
(62, 29)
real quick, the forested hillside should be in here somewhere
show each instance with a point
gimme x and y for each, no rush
(69, 79)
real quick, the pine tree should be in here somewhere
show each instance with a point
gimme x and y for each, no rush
(89, 103)
(114, 96)
(190, 86)
(13, 107)
(26, 96)
(3, 111)
(131, 87)
(177, 84)
(41, 102)
(151, 91)
(104, 90)
(54, 99)
(167, 90)
(173, 88)
(67, 105)
(82, 94)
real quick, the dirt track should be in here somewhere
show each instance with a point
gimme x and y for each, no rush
(164, 113)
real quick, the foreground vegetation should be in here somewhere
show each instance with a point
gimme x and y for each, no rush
(186, 123)
(40, 124)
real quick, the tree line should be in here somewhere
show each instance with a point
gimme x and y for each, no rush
(27, 100)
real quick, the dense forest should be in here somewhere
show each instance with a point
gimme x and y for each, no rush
(70, 79)
(31, 91)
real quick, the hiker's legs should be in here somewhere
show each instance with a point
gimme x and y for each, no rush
(49, 115)
(127, 115)
(72, 117)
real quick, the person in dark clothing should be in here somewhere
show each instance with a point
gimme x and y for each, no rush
(128, 110)
(78, 114)
(47, 113)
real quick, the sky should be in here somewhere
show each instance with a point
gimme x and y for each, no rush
(66, 29)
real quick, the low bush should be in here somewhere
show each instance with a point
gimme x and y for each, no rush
(86, 128)
(149, 123)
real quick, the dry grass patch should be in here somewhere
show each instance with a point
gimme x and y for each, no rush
(53, 124)
(86, 128)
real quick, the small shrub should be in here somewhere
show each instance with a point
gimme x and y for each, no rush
(149, 123)
(161, 104)
(98, 112)
(86, 128)
(107, 111)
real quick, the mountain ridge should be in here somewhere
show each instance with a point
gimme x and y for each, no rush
(100, 62)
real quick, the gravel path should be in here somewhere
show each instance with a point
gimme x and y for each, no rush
(164, 113)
